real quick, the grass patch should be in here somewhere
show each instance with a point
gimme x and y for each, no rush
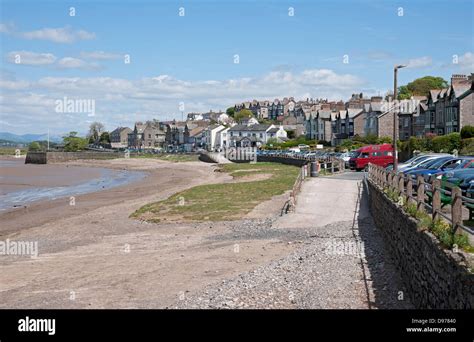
(10, 151)
(219, 202)
(175, 158)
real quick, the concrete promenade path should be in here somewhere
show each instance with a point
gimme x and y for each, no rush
(340, 263)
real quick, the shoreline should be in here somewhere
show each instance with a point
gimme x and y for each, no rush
(25, 185)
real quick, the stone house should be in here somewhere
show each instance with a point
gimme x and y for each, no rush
(146, 135)
(177, 133)
(119, 137)
(448, 110)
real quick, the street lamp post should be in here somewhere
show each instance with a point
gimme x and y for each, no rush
(395, 121)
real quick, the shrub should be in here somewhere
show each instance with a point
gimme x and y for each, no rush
(447, 143)
(467, 132)
(467, 147)
(34, 146)
(442, 231)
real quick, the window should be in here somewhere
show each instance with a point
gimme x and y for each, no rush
(365, 155)
(376, 154)
(149, 136)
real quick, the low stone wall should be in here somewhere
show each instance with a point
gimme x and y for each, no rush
(55, 157)
(435, 278)
(282, 160)
(35, 158)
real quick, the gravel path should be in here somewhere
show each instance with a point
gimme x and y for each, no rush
(341, 265)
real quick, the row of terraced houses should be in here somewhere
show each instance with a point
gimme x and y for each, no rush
(441, 112)
(212, 131)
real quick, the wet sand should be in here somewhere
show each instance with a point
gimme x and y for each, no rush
(16, 175)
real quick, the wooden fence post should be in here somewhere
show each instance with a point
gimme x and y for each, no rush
(401, 185)
(395, 183)
(409, 190)
(456, 208)
(436, 203)
(420, 193)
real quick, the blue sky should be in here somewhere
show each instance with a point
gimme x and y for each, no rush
(190, 59)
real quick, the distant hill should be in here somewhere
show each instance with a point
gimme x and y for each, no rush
(27, 138)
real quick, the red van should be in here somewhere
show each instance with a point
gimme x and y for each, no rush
(376, 154)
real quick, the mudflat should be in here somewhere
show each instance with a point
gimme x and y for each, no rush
(16, 175)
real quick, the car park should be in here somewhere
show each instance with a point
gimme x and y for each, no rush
(424, 164)
(439, 165)
(418, 160)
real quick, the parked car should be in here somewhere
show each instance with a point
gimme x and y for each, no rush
(376, 154)
(424, 164)
(438, 165)
(464, 163)
(416, 161)
(462, 178)
(303, 147)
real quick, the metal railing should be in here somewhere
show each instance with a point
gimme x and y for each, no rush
(428, 196)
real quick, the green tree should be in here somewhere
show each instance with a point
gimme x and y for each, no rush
(73, 143)
(95, 130)
(404, 93)
(105, 138)
(230, 111)
(243, 114)
(34, 146)
(467, 132)
(421, 87)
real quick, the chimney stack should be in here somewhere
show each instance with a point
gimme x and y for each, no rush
(457, 79)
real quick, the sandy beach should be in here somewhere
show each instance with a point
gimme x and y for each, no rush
(92, 255)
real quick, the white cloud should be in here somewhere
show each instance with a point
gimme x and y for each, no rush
(100, 55)
(76, 63)
(420, 62)
(466, 63)
(6, 28)
(57, 35)
(121, 101)
(30, 58)
(14, 85)
(44, 59)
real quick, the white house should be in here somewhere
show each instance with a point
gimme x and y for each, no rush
(211, 135)
(222, 138)
(255, 135)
